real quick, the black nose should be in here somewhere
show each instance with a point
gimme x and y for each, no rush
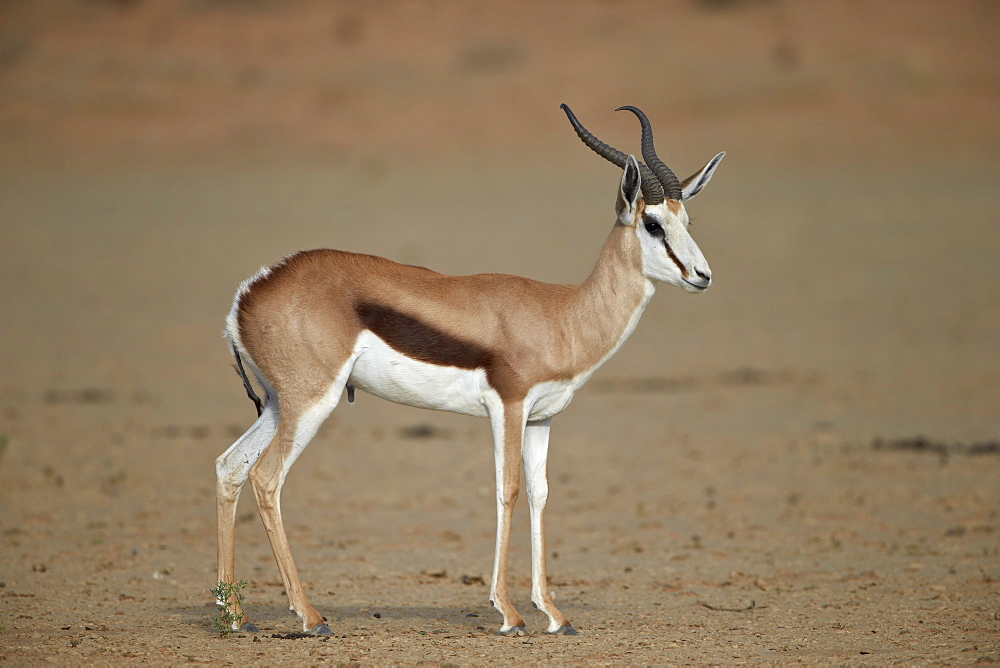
(707, 277)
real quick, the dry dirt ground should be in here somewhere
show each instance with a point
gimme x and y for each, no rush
(799, 466)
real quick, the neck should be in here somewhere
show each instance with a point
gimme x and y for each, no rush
(609, 303)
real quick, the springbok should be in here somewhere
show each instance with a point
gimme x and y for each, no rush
(504, 347)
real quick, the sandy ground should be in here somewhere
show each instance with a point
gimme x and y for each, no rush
(800, 466)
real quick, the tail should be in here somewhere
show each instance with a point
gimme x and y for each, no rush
(246, 382)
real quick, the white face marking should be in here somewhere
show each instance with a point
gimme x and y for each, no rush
(657, 263)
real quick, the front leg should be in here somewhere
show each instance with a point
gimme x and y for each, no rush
(508, 432)
(535, 454)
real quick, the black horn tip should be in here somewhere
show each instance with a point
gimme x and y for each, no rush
(635, 110)
(652, 191)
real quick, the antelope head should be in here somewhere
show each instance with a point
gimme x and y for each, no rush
(660, 222)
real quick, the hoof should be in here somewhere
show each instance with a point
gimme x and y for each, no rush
(564, 630)
(321, 630)
(248, 627)
(513, 631)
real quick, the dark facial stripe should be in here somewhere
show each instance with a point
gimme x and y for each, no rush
(670, 251)
(414, 338)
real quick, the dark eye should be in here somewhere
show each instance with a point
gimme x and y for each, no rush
(654, 229)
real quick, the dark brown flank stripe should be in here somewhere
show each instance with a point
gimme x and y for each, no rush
(410, 336)
(413, 338)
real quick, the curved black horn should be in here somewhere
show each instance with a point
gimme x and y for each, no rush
(669, 180)
(652, 191)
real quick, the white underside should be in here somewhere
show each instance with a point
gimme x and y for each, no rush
(386, 373)
(382, 371)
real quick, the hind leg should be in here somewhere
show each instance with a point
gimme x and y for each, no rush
(232, 469)
(296, 429)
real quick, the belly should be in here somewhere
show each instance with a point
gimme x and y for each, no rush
(382, 371)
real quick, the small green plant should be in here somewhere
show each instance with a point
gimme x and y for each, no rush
(229, 596)
(111, 483)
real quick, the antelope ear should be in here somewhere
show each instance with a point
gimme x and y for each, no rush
(693, 184)
(627, 205)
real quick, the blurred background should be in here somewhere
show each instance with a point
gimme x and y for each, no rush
(154, 154)
(396, 82)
